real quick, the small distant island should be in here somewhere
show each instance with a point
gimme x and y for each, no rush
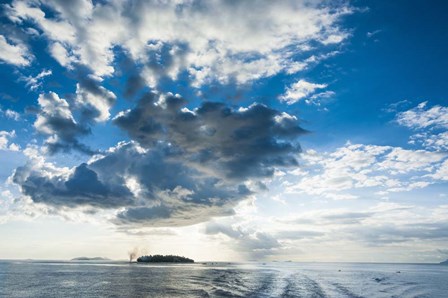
(444, 262)
(164, 259)
(90, 259)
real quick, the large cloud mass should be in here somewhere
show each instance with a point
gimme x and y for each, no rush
(56, 120)
(185, 166)
(210, 40)
(237, 143)
(183, 162)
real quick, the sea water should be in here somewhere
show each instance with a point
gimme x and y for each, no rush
(276, 279)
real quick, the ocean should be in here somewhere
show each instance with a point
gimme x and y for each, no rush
(276, 279)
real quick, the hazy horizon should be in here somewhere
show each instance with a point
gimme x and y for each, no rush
(310, 131)
(200, 261)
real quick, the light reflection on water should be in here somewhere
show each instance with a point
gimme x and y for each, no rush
(120, 279)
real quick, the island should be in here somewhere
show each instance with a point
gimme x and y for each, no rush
(444, 262)
(90, 259)
(164, 259)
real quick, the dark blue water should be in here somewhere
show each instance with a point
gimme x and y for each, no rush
(119, 279)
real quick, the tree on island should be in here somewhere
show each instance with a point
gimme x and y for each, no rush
(164, 259)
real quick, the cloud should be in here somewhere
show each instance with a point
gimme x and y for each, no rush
(184, 167)
(383, 224)
(361, 227)
(386, 225)
(373, 33)
(442, 172)
(298, 234)
(171, 37)
(14, 53)
(182, 163)
(301, 90)
(11, 206)
(422, 117)
(35, 82)
(248, 142)
(91, 104)
(340, 196)
(356, 166)
(394, 107)
(329, 217)
(252, 243)
(430, 125)
(433, 141)
(443, 251)
(10, 114)
(62, 56)
(348, 217)
(5, 141)
(45, 183)
(56, 120)
(155, 186)
(386, 234)
(93, 100)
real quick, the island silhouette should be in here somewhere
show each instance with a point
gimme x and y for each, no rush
(90, 259)
(164, 259)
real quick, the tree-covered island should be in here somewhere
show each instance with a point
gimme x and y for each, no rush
(164, 259)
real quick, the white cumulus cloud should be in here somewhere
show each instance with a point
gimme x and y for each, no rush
(5, 141)
(382, 169)
(429, 123)
(300, 90)
(211, 40)
(14, 53)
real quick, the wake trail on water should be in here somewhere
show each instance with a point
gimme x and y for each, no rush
(71, 279)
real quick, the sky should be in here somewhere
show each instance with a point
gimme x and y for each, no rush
(224, 130)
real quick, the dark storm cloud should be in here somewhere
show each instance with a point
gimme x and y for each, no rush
(56, 146)
(145, 214)
(54, 118)
(171, 192)
(179, 166)
(130, 72)
(242, 143)
(185, 166)
(175, 214)
(81, 188)
(93, 99)
(155, 185)
(134, 83)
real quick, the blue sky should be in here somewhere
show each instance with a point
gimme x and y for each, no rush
(303, 130)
